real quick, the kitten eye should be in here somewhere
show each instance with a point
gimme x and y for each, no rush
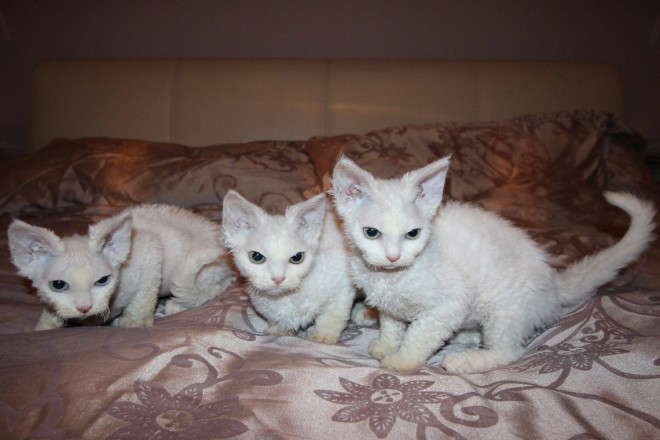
(58, 285)
(102, 281)
(298, 258)
(371, 233)
(256, 257)
(413, 234)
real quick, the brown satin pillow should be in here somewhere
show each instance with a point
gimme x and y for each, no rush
(545, 172)
(485, 155)
(118, 173)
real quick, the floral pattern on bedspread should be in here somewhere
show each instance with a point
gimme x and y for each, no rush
(221, 376)
(214, 372)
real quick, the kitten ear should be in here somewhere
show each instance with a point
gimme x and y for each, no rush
(351, 184)
(112, 238)
(239, 216)
(31, 247)
(308, 217)
(429, 184)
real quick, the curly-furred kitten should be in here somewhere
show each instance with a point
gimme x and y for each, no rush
(432, 271)
(295, 265)
(122, 266)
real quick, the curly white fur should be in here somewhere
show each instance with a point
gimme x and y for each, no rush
(121, 267)
(289, 293)
(433, 271)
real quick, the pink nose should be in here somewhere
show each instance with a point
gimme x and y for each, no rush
(84, 309)
(277, 280)
(393, 258)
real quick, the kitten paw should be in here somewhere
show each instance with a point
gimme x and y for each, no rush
(171, 307)
(401, 364)
(473, 361)
(363, 315)
(276, 330)
(133, 322)
(47, 326)
(470, 338)
(323, 337)
(49, 321)
(379, 348)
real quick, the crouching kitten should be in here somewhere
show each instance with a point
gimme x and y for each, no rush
(433, 270)
(295, 264)
(118, 271)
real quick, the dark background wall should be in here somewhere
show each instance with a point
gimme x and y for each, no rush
(625, 32)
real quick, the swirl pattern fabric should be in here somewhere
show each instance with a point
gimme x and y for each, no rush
(213, 371)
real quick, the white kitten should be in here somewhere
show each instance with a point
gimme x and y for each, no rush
(296, 265)
(432, 271)
(122, 266)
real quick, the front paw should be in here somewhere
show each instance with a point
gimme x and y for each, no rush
(133, 322)
(49, 321)
(323, 337)
(473, 361)
(379, 348)
(169, 308)
(363, 315)
(47, 326)
(276, 330)
(402, 364)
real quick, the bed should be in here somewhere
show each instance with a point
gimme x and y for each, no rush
(537, 142)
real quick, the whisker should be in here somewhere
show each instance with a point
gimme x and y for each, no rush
(105, 314)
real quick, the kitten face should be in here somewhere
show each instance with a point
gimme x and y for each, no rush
(388, 221)
(77, 283)
(388, 230)
(273, 259)
(75, 275)
(273, 252)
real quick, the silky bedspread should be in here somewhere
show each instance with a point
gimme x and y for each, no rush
(212, 372)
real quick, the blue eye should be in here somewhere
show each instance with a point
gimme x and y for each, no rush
(256, 257)
(102, 281)
(413, 234)
(58, 285)
(371, 233)
(297, 258)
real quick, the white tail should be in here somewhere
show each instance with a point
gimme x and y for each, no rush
(580, 280)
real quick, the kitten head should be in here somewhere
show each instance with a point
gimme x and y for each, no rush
(75, 275)
(388, 221)
(273, 252)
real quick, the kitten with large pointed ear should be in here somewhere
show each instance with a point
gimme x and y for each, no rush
(295, 265)
(74, 276)
(282, 248)
(432, 272)
(116, 271)
(353, 186)
(388, 220)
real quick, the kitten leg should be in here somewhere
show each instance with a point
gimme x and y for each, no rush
(503, 344)
(425, 336)
(275, 330)
(475, 361)
(332, 321)
(471, 337)
(391, 333)
(140, 311)
(49, 320)
(198, 285)
(364, 315)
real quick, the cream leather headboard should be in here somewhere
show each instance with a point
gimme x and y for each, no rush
(209, 101)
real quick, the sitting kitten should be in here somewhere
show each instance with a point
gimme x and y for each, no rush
(433, 271)
(295, 265)
(122, 266)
